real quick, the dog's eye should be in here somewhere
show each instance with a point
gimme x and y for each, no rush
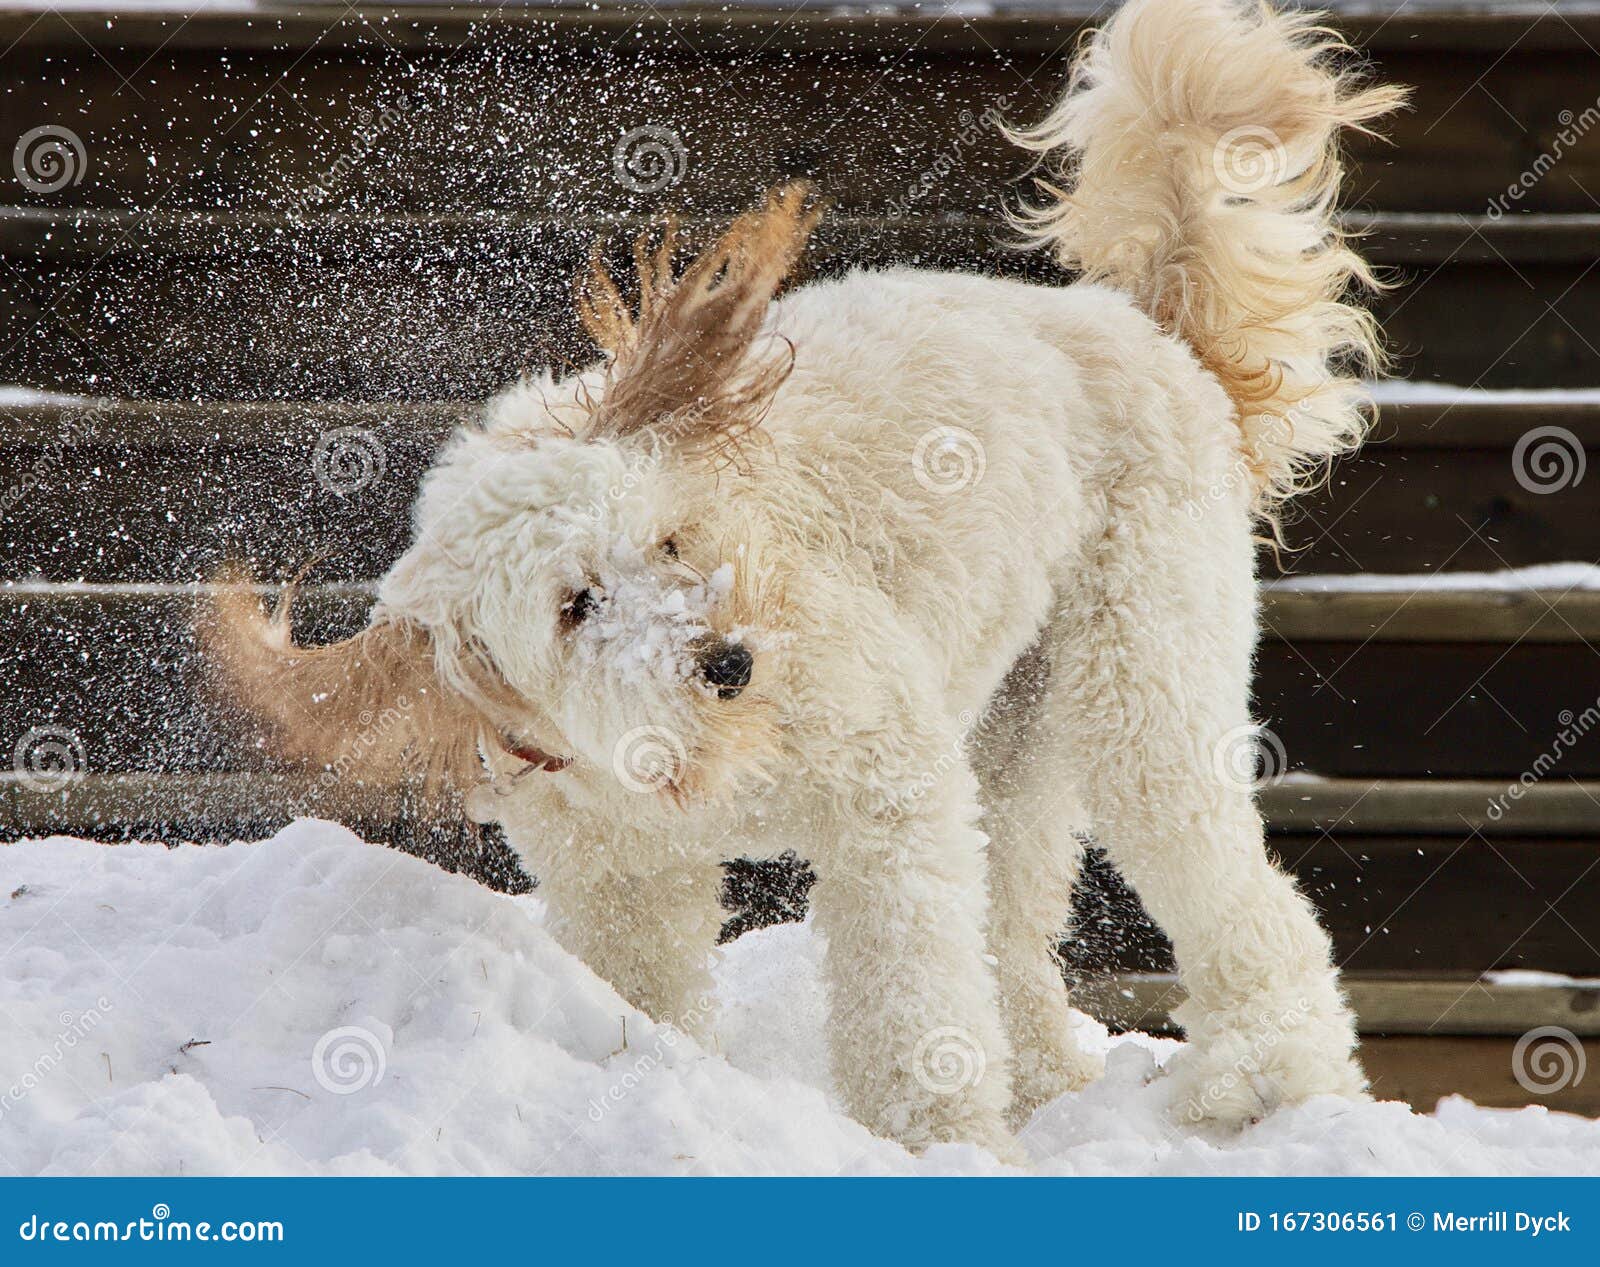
(669, 547)
(578, 608)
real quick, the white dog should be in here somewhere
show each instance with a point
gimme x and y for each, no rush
(914, 573)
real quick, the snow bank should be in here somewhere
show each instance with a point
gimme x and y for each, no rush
(313, 1004)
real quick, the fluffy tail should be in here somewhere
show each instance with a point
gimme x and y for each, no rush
(1197, 153)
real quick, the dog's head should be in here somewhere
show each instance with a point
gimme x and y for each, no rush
(582, 600)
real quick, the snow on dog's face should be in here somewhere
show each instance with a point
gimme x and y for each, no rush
(624, 629)
(572, 607)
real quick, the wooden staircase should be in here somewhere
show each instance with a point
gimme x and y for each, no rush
(304, 239)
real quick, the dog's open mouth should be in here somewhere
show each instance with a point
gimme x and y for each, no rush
(538, 758)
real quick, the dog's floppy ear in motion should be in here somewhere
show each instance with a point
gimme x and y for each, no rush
(371, 706)
(686, 366)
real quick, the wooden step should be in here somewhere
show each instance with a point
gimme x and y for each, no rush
(1424, 1070)
(413, 307)
(1424, 1037)
(1383, 1003)
(795, 91)
(116, 662)
(1297, 805)
(1410, 885)
(100, 484)
(1298, 615)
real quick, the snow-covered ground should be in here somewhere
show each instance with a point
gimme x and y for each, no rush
(314, 1004)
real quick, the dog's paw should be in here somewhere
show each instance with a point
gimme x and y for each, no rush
(1230, 1083)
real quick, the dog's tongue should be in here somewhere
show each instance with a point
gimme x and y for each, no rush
(540, 758)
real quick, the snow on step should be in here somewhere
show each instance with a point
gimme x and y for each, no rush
(1544, 577)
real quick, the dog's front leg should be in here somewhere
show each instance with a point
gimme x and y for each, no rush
(918, 1050)
(651, 936)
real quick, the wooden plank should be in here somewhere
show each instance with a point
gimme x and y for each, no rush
(1450, 423)
(1408, 1057)
(1383, 1004)
(1387, 237)
(186, 425)
(1457, 903)
(1298, 805)
(806, 27)
(419, 318)
(802, 93)
(1454, 904)
(118, 661)
(1417, 238)
(1430, 807)
(1422, 1071)
(1431, 615)
(97, 495)
(1481, 421)
(1399, 510)
(1432, 709)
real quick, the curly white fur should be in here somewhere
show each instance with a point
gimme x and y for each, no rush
(1198, 146)
(994, 566)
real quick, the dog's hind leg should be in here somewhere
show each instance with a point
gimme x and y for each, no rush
(1022, 750)
(1156, 667)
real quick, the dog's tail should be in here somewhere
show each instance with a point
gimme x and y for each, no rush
(1197, 150)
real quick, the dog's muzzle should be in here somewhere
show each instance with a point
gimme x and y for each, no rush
(725, 666)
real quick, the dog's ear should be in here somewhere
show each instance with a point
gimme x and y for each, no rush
(686, 367)
(371, 708)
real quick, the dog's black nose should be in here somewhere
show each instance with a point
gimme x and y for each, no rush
(726, 666)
